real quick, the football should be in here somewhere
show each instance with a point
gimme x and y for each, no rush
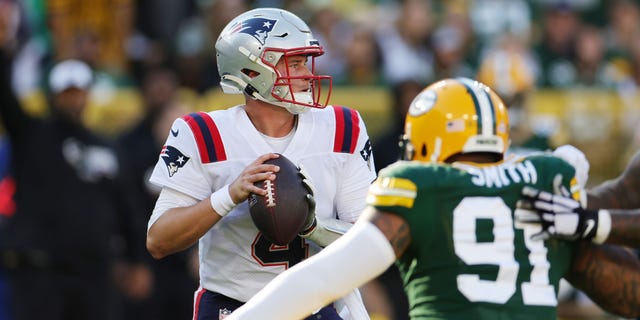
(282, 212)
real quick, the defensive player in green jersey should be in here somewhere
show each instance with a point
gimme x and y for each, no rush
(447, 218)
(468, 260)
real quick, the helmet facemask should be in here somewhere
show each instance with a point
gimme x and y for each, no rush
(283, 89)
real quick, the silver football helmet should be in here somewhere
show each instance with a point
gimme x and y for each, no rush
(255, 41)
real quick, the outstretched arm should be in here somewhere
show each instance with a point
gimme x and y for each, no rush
(364, 252)
(563, 218)
(609, 275)
(622, 192)
(621, 198)
(625, 228)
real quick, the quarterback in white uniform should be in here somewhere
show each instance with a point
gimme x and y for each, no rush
(207, 155)
(235, 259)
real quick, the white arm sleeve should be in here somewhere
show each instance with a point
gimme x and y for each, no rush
(363, 253)
(169, 198)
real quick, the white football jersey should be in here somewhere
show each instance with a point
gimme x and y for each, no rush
(206, 151)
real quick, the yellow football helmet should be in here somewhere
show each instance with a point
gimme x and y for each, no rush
(455, 116)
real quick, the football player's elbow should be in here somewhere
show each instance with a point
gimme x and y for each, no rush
(155, 248)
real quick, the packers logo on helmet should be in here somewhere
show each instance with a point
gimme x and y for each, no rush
(455, 116)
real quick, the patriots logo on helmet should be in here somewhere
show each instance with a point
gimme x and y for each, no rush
(173, 158)
(258, 28)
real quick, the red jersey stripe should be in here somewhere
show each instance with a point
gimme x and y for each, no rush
(208, 139)
(197, 133)
(220, 153)
(347, 130)
(355, 130)
(196, 301)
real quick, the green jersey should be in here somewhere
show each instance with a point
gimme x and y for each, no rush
(468, 258)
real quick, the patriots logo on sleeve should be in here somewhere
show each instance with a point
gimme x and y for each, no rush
(173, 158)
(258, 28)
(366, 153)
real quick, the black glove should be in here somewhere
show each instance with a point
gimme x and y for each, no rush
(560, 217)
(310, 223)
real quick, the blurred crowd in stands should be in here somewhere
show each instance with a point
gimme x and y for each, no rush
(565, 43)
(157, 46)
(516, 46)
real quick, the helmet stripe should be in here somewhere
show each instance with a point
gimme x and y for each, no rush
(483, 105)
(491, 115)
(494, 122)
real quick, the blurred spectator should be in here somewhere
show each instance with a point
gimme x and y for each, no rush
(88, 48)
(450, 52)
(85, 31)
(32, 49)
(623, 26)
(362, 59)
(70, 205)
(555, 52)
(629, 81)
(160, 20)
(452, 40)
(405, 45)
(590, 64)
(195, 59)
(508, 68)
(108, 22)
(491, 19)
(193, 55)
(333, 33)
(175, 279)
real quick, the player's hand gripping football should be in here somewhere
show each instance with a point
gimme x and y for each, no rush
(311, 222)
(561, 217)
